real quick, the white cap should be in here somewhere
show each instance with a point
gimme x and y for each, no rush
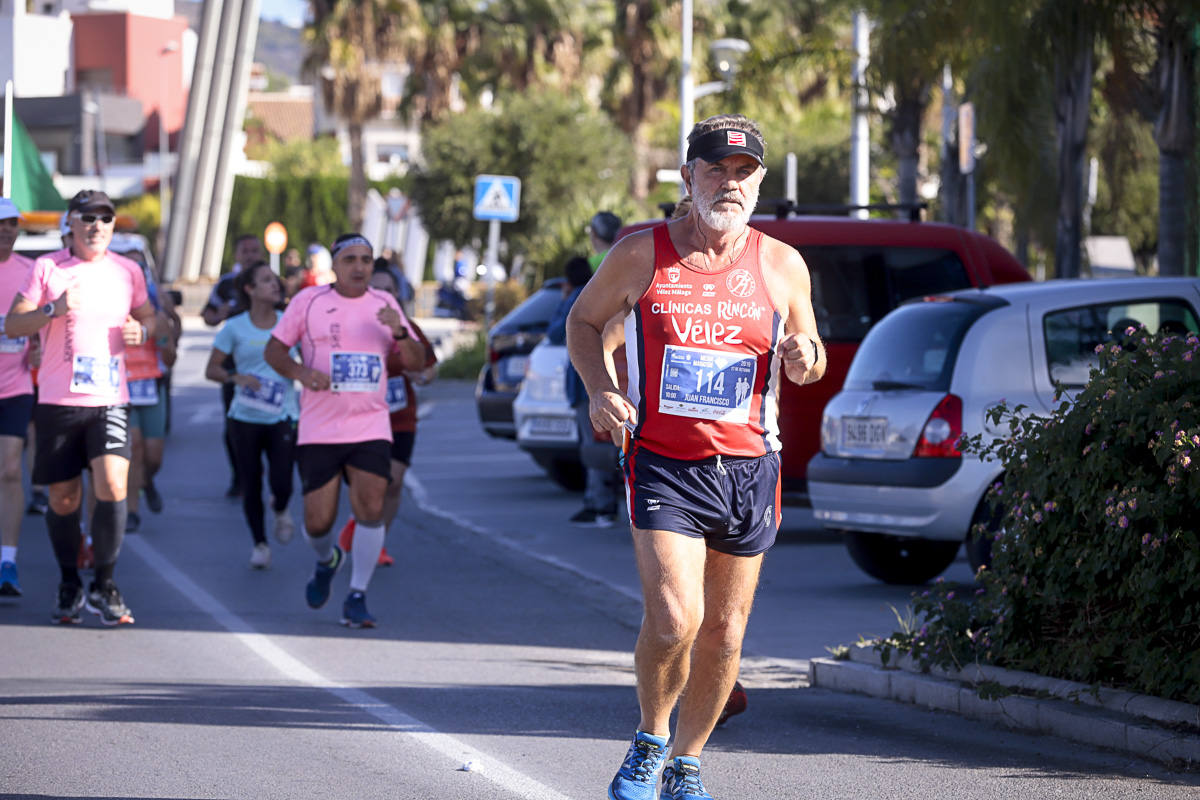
(8, 209)
(64, 223)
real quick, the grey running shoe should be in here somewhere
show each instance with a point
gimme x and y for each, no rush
(105, 602)
(70, 603)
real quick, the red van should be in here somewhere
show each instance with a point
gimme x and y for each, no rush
(862, 269)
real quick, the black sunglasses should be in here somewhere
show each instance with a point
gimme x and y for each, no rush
(90, 218)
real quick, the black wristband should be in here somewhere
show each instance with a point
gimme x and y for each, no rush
(402, 335)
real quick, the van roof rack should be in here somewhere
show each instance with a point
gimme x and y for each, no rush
(785, 208)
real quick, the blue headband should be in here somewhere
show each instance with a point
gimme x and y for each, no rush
(351, 242)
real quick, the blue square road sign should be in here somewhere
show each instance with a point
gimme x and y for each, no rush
(497, 197)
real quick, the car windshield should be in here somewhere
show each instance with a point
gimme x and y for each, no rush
(534, 314)
(856, 286)
(914, 347)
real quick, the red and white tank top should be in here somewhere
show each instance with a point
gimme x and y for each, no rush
(703, 373)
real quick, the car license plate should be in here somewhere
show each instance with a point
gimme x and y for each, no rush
(514, 367)
(561, 427)
(868, 433)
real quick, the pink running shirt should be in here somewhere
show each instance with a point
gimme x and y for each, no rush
(14, 366)
(83, 353)
(343, 338)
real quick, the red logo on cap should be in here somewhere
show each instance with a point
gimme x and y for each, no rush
(736, 138)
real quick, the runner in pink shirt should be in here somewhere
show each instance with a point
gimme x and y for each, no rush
(347, 333)
(16, 400)
(88, 304)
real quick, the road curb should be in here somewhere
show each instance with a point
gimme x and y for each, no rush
(1159, 730)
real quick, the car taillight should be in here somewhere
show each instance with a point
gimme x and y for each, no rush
(939, 437)
(493, 355)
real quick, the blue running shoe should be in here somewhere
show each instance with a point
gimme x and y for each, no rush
(354, 612)
(681, 780)
(317, 591)
(9, 585)
(638, 776)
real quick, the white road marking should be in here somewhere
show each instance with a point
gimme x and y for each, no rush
(421, 498)
(452, 748)
(206, 414)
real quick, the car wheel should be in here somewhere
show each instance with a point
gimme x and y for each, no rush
(900, 559)
(567, 473)
(979, 544)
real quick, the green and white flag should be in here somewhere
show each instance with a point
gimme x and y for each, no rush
(30, 185)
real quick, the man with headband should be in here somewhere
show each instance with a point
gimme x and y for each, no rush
(713, 310)
(346, 332)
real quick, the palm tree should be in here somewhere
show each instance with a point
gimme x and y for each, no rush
(349, 41)
(1175, 133)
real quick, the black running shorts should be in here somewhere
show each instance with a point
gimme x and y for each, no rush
(70, 437)
(15, 413)
(321, 463)
(402, 446)
(731, 503)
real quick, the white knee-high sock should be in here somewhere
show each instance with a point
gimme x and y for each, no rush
(321, 545)
(368, 542)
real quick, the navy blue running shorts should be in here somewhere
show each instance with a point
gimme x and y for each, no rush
(320, 463)
(15, 414)
(69, 438)
(732, 503)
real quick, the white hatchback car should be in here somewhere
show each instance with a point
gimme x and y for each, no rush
(889, 474)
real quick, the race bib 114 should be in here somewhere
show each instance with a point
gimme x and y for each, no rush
(706, 384)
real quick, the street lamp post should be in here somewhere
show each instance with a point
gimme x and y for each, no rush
(163, 145)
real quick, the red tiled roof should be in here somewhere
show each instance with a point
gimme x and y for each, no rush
(282, 116)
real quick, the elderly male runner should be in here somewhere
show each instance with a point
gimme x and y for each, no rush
(712, 310)
(346, 331)
(89, 304)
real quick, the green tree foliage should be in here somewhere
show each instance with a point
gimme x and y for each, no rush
(1095, 572)
(312, 208)
(349, 42)
(303, 158)
(565, 154)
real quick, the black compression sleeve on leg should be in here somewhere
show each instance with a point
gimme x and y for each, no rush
(64, 538)
(108, 531)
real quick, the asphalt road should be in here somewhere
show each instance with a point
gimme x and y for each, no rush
(505, 638)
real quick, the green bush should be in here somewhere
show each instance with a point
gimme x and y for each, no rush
(1095, 574)
(466, 361)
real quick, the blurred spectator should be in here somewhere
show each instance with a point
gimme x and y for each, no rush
(602, 232)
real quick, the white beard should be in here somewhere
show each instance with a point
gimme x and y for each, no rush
(726, 220)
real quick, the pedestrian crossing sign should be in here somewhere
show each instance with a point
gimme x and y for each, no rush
(497, 197)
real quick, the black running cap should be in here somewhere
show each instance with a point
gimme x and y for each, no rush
(716, 145)
(90, 200)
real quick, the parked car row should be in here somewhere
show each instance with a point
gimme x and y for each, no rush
(889, 474)
(927, 328)
(861, 270)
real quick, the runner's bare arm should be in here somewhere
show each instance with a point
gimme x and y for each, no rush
(279, 359)
(612, 291)
(215, 371)
(407, 346)
(25, 319)
(801, 350)
(142, 325)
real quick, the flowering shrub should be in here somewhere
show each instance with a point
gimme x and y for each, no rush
(1095, 573)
